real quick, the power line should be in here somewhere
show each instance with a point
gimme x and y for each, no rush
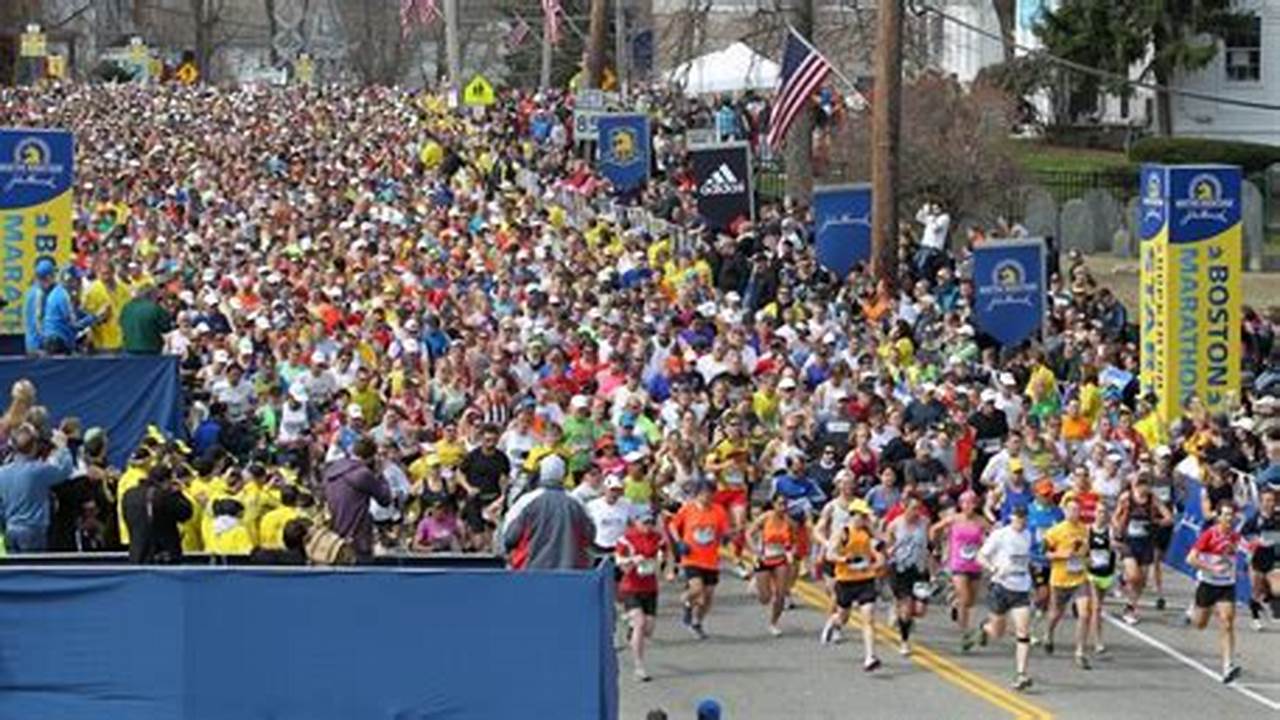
(1102, 74)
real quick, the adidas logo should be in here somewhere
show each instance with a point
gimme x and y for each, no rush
(722, 182)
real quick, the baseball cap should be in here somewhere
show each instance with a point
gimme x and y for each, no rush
(45, 268)
(859, 506)
(614, 482)
(1044, 487)
(354, 412)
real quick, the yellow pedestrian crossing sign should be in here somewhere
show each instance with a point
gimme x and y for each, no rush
(478, 92)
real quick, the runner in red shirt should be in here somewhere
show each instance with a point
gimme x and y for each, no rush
(1214, 558)
(639, 555)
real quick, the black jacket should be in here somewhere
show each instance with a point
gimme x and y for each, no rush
(153, 514)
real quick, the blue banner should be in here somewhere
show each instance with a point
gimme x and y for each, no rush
(624, 150)
(1009, 284)
(122, 395)
(842, 226)
(298, 644)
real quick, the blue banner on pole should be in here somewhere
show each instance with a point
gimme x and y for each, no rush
(1009, 282)
(624, 150)
(842, 222)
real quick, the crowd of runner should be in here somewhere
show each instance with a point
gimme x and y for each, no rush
(398, 322)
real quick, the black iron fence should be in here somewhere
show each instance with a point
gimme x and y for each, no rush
(1067, 185)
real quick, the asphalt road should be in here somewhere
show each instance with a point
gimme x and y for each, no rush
(1157, 669)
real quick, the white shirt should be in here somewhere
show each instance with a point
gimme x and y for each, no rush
(1009, 552)
(293, 423)
(936, 226)
(610, 518)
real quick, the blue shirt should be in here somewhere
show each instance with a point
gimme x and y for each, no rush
(56, 319)
(803, 495)
(1041, 517)
(24, 489)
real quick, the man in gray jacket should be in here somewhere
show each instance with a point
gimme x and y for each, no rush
(547, 529)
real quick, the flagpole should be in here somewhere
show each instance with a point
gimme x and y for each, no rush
(848, 83)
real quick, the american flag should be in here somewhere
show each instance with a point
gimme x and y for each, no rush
(517, 34)
(417, 12)
(551, 8)
(803, 70)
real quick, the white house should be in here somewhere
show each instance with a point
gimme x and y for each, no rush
(1246, 68)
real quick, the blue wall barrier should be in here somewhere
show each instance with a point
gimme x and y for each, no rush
(122, 395)
(1187, 527)
(240, 644)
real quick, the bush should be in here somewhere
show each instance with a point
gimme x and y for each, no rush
(1252, 157)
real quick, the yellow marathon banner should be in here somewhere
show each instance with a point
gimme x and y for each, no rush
(1189, 296)
(37, 169)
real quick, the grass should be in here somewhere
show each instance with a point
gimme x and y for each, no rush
(1037, 156)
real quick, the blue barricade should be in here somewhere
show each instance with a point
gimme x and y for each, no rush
(298, 644)
(122, 395)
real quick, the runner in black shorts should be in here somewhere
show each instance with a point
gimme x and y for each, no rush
(1262, 537)
(1214, 557)
(907, 538)
(1138, 515)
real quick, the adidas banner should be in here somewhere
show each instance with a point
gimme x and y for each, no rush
(725, 193)
(624, 150)
(842, 223)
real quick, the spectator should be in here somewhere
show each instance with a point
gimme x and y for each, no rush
(546, 529)
(25, 482)
(153, 512)
(349, 485)
(52, 323)
(143, 322)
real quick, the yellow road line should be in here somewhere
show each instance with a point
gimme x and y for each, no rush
(957, 675)
(973, 683)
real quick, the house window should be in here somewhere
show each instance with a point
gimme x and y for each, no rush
(1243, 48)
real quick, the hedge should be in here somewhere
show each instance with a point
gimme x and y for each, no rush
(1252, 157)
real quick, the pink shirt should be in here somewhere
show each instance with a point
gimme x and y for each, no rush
(963, 544)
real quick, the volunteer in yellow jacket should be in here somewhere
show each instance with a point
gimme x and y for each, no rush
(271, 527)
(857, 565)
(1067, 545)
(230, 535)
(134, 473)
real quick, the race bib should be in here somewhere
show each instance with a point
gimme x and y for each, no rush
(1271, 538)
(774, 550)
(1163, 493)
(1018, 564)
(1099, 558)
(968, 551)
(704, 536)
(734, 477)
(1074, 564)
(858, 563)
(1222, 570)
(646, 568)
(922, 590)
(1137, 529)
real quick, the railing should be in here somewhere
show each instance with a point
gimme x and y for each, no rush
(1067, 185)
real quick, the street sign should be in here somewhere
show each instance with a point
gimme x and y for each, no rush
(478, 92)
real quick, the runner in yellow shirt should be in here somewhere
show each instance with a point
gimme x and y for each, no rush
(1067, 547)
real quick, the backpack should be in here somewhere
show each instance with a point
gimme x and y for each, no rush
(326, 547)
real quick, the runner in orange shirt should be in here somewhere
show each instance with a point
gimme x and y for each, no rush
(776, 539)
(700, 527)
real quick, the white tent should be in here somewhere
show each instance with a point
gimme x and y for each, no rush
(732, 69)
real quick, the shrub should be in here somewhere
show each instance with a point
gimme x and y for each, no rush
(1252, 157)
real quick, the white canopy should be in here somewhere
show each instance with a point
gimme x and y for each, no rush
(732, 69)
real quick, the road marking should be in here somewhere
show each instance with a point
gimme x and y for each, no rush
(1191, 663)
(961, 677)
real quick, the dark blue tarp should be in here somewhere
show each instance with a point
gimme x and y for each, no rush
(122, 395)
(221, 644)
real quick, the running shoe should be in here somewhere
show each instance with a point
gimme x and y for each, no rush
(1232, 672)
(1099, 649)
(1130, 615)
(687, 618)
(871, 664)
(641, 675)
(904, 648)
(1257, 624)
(744, 572)
(698, 632)
(1021, 682)
(827, 635)
(837, 636)
(982, 636)
(775, 631)
(966, 641)
(1083, 663)
(1048, 647)
(1160, 603)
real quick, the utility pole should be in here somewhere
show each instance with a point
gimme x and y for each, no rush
(453, 50)
(544, 76)
(798, 152)
(886, 125)
(595, 43)
(621, 63)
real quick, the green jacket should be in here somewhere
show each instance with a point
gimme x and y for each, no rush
(144, 324)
